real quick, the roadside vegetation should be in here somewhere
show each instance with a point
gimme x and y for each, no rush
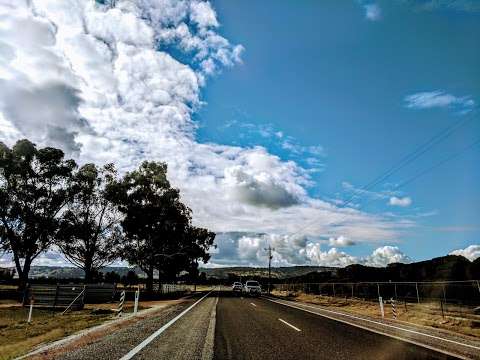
(94, 216)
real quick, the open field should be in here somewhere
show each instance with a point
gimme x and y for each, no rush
(459, 319)
(18, 337)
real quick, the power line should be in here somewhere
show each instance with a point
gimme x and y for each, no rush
(404, 161)
(438, 164)
(412, 156)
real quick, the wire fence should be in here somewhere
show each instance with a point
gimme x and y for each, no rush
(445, 292)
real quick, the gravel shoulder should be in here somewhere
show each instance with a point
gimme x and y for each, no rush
(113, 339)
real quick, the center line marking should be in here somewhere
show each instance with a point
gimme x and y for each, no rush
(286, 323)
(253, 304)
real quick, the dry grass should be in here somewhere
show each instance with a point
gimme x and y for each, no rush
(17, 337)
(458, 319)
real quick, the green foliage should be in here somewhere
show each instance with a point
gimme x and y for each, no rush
(90, 225)
(157, 225)
(34, 188)
(94, 217)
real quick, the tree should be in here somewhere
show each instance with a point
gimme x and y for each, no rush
(157, 225)
(34, 189)
(112, 277)
(90, 226)
(130, 279)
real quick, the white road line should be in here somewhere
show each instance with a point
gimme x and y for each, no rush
(148, 340)
(286, 323)
(253, 304)
(378, 331)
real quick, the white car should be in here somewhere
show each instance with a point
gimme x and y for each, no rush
(252, 288)
(237, 287)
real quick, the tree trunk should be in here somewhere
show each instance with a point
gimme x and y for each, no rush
(149, 282)
(23, 274)
(88, 275)
(87, 268)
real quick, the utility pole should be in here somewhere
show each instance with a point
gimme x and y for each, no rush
(270, 257)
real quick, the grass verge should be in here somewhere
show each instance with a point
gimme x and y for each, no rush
(17, 337)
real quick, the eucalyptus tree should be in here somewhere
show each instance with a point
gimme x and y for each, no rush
(90, 225)
(156, 224)
(34, 190)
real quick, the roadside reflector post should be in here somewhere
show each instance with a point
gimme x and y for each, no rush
(380, 301)
(120, 304)
(135, 307)
(418, 297)
(30, 311)
(394, 311)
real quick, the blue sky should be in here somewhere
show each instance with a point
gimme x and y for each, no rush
(324, 74)
(269, 114)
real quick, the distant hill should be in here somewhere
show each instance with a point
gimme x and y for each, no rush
(62, 272)
(450, 267)
(445, 268)
(277, 272)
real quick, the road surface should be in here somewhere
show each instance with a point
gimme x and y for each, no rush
(220, 325)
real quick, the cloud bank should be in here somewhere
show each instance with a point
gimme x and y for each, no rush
(119, 82)
(471, 252)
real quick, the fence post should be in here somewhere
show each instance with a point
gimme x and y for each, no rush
(478, 286)
(56, 298)
(352, 290)
(418, 297)
(441, 307)
(395, 291)
(378, 289)
(380, 301)
(135, 307)
(30, 311)
(333, 289)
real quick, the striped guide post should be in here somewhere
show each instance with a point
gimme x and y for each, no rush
(120, 304)
(394, 310)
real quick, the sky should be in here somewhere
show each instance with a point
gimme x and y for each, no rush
(273, 116)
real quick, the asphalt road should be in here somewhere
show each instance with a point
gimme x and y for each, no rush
(259, 329)
(223, 326)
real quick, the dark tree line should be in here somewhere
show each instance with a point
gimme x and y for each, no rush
(94, 216)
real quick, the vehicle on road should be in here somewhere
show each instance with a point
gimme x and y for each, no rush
(237, 287)
(252, 288)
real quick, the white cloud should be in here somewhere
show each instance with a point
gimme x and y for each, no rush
(101, 82)
(332, 257)
(471, 252)
(439, 99)
(398, 201)
(385, 255)
(340, 241)
(373, 12)
(244, 249)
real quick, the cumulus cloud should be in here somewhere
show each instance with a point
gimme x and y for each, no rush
(471, 252)
(248, 249)
(385, 255)
(119, 82)
(439, 99)
(340, 241)
(399, 201)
